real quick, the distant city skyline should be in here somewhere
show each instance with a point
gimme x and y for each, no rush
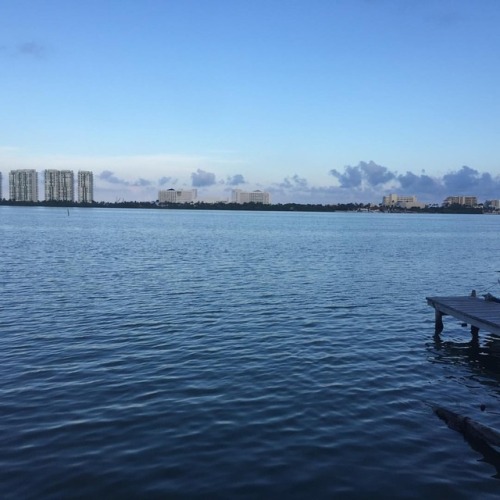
(312, 101)
(466, 182)
(57, 185)
(365, 183)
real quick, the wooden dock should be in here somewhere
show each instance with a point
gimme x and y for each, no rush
(480, 314)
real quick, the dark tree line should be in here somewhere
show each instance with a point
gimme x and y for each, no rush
(278, 207)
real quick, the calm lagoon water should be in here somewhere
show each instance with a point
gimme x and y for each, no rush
(166, 353)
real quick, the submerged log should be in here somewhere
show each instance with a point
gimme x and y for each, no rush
(468, 427)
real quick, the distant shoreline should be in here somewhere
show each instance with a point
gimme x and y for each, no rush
(258, 207)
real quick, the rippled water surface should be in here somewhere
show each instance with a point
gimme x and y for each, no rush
(153, 353)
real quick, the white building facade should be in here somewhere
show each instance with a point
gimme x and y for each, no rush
(85, 186)
(23, 185)
(468, 201)
(67, 185)
(395, 200)
(239, 196)
(177, 196)
(59, 185)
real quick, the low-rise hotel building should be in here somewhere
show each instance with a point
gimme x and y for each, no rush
(177, 196)
(395, 200)
(467, 201)
(239, 196)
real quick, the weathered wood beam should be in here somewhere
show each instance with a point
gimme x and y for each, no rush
(468, 427)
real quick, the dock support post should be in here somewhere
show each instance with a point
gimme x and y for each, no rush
(474, 330)
(438, 322)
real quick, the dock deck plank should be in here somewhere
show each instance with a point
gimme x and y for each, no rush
(477, 312)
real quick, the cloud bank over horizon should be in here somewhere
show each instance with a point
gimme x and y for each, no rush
(364, 182)
(369, 176)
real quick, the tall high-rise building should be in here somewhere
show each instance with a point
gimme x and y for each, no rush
(23, 185)
(59, 185)
(85, 186)
(67, 186)
(51, 183)
(1, 186)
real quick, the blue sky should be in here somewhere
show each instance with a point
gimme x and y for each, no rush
(316, 101)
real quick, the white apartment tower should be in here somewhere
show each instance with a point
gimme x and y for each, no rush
(51, 182)
(85, 186)
(59, 185)
(23, 185)
(67, 186)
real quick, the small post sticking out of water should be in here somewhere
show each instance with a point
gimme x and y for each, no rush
(438, 326)
(474, 330)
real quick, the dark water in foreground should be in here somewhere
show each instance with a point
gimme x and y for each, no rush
(180, 353)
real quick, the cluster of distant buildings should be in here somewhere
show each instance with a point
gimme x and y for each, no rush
(190, 196)
(59, 185)
(398, 201)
